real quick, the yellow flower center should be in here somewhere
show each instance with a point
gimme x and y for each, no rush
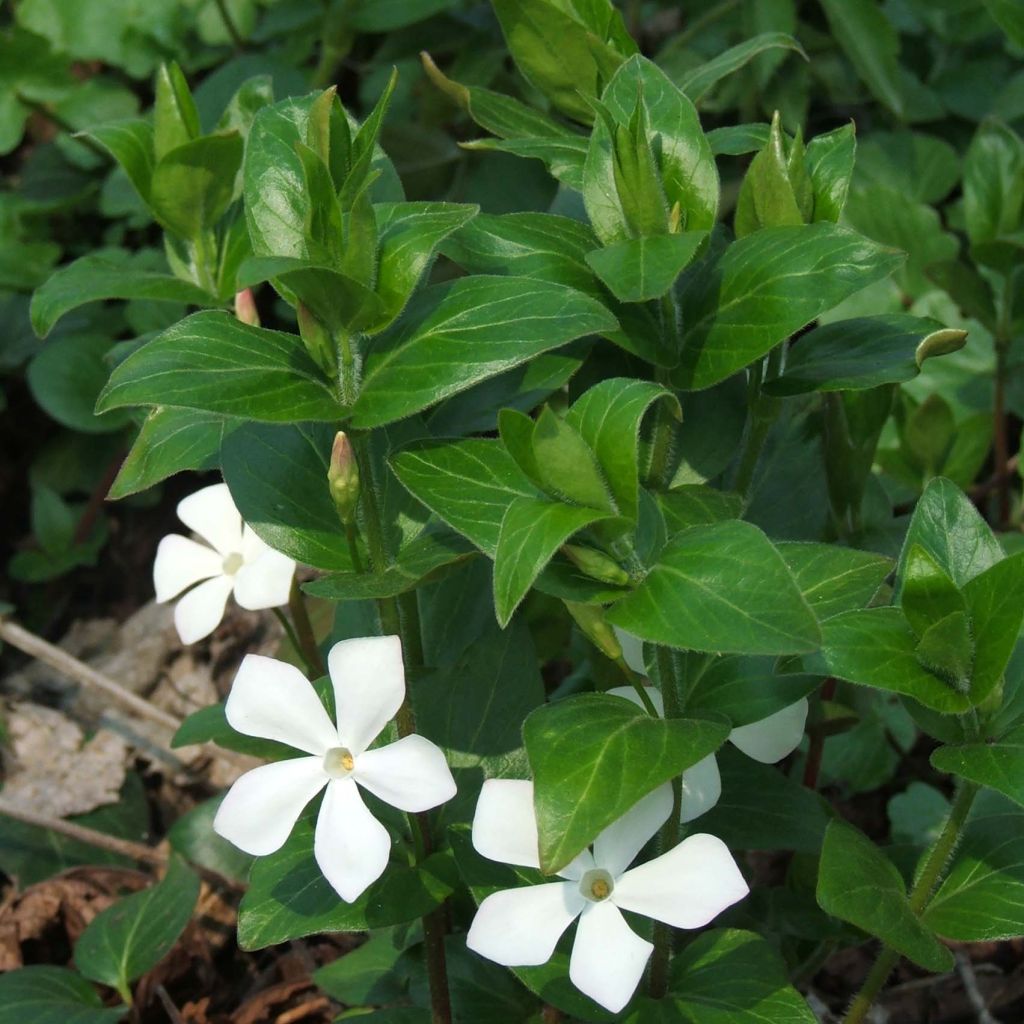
(232, 563)
(339, 762)
(596, 885)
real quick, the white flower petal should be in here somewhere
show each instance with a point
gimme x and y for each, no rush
(212, 514)
(578, 866)
(199, 612)
(686, 887)
(608, 957)
(274, 700)
(521, 927)
(617, 845)
(264, 582)
(632, 650)
(630, 694)
(369, 686)
(253, 545)
(351, 846)
(261, 808)
(411, 774)
(504, 824)
(774, 737)
(702, 787)
(179, 563)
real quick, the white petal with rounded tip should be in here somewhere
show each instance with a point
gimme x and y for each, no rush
(199, 612)
(264, 582)
(274, 700)
(686, 887)
(630, 694)
(632, 650)
(179, 563)
(253, 545)
(212, 514)
(261, 808)
(350, 845)
(608, 957)
(411, 774)
(521, 927)
(774, 737)
(702, 787)
(617, 845)
(369, 686)
(504, 824)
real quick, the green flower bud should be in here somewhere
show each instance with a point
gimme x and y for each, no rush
(245, 308)
(590, 619)
(343, 478)
(596, 565)
(317, 341)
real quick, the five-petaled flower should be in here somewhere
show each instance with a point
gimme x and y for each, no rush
(236, 561)
(686, 888)
(274, 701)
(768, 740)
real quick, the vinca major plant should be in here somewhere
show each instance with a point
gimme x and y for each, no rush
(444, 425)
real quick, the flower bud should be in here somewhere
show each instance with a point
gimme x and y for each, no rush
(590, 619)
(596, 565)
(317, 341)
(343, 478)
(245, 308)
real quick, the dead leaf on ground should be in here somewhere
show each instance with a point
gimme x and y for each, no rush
(290, 1002)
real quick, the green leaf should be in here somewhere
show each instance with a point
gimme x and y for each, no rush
(876, 647)
(998, 765)
(638, 269)
(171, 440)
(1009, 16)
(532, 530)
(951, 530)
(982, 897)
(210, 725)
(996, 612)
(288, 898)
(194, 184)
(214, 363)
(867, 352)
(737, 306)
(870, 41)
(130, 143)
(834, 579)
(737, 140)
(761, 809)
(687, 168)
(722, 588)
(608, 417)
(456, 335)
(468, 483)
(193, 837)
(697, 505)
(921, 167)
(947, 650)
(594, 756)
(42, 994)
(107, 275)
(927, 594)
(697, 82)
(175, 118)
(993, 182)
(859, 884)
(829, 160)
(128, 939)
(731, 976)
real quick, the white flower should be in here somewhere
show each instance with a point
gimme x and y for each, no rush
(237, 560)
(274, 701)
(686, 888)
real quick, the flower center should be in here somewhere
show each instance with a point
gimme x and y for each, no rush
(596, 885)
(339, 762)
(232, 563)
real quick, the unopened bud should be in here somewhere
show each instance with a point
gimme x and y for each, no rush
(343, 478)
(590, 619)
(596, 565)
(317, 341)
(245, 308)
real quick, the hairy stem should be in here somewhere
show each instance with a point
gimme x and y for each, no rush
(928, 877)
(304, 630)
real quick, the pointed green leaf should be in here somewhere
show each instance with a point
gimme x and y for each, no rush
(130, 143)
(565, 464)
(722, 588)
(738, 305)
(175, 118)
(699, 80)
(876, 647)
(214, 363)
(947, 650)
(638, 269)
(41, 994)
(532, 530)
(996, 611)
(830, 160)
(594, 756)
(859, 884)
(834, 579)
(998, 765)
(456, 335)
(927, 594)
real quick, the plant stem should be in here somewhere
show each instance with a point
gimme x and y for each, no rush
(293, 639)
(924, 886)
(304, 630)
(664, 429)
(669, 836)
(637, 682)
(353, 547)
(816, 749)
(229, 23)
